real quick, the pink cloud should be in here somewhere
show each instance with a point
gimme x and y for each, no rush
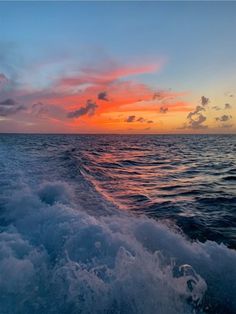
(3, 80)
(106, 75)
(67, 97)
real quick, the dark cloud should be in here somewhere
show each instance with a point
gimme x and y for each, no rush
(195, 112)
(228, 106)
(8, 102)
(89, 109)
(141, 120)
(130, 119)
(163, 109)
(195, 119)
(197, 123)
(224, 118)
(9, 107)
(216, 108)
(103, 96)
(204, 101)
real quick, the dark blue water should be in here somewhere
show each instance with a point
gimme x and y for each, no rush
(117, 224)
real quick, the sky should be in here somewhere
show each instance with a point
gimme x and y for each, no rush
(118, 67)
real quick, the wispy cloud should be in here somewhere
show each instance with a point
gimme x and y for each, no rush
(102, 90)
(104, 76)
(40, 109)
(229, 94)
(224, 118)
(9, 107)
(217, 108)
(3, 79)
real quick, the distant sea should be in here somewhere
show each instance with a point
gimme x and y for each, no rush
(117, 224)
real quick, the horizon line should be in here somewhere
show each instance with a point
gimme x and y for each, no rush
(58, 133)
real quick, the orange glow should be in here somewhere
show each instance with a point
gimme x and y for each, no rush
(128, 106)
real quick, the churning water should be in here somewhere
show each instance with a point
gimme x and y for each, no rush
(117, 224)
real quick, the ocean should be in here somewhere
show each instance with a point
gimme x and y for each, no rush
(117, 224)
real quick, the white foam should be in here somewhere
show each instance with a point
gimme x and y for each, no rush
(56, 258)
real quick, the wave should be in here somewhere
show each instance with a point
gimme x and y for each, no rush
(57, 258)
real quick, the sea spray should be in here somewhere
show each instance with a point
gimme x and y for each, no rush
(58, 259)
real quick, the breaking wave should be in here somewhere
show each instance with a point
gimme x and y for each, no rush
(57, 258)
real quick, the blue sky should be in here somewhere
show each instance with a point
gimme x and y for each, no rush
(195, 42)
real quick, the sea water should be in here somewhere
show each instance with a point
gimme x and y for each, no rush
(117, 224)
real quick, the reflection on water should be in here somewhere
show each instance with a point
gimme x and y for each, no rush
(64, 247)
(189, 179)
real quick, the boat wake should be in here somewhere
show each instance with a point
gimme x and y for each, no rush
(56, 257)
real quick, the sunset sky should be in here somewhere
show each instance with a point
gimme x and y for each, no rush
(118, 67)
